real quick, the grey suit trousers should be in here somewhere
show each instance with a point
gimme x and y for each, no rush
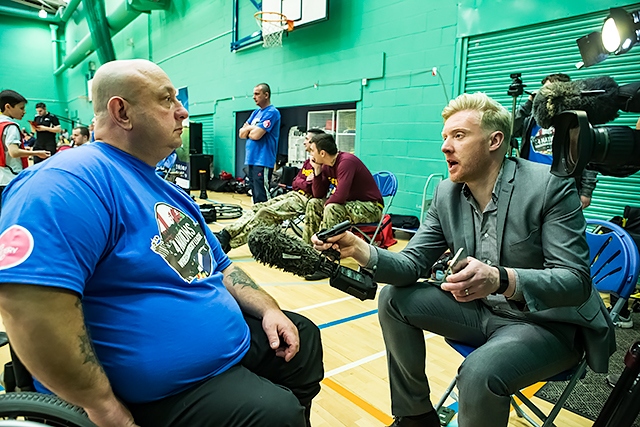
(512, 353)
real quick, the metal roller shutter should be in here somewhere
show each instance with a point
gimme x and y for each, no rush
(542, 49)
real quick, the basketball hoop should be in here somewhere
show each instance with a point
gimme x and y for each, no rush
(272, 25)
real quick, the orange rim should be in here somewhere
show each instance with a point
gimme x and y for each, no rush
(263, 16)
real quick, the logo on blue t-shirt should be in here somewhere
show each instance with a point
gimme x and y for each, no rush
(541, 146)
(181, 243)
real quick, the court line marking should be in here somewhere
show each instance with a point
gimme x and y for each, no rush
(362, 361)
(347, 319)
(322, 304)
(354, 398)
(359, 402)
(355, 364)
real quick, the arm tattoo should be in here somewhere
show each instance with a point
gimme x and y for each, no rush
(86, 348)
(238, 276)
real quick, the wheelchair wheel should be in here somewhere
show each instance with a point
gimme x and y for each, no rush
(42, 408)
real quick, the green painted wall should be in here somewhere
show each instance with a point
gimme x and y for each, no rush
(393, 44)
(77, 91)
(27, 63)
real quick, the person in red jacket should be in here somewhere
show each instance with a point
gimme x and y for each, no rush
(13, 155)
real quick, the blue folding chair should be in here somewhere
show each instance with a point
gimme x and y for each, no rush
(388, 186)
(614, 269)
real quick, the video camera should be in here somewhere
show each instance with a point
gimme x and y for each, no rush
(573, 109)
(359, 284)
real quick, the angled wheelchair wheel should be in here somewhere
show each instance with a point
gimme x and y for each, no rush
(42, 408)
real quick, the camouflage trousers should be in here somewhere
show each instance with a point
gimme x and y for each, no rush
(273, 211)
(318, 216)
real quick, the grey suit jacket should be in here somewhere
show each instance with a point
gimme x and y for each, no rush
(541, 234)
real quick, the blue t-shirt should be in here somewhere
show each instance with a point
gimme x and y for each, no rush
(136, 249)
(540, 145)
(263, 151)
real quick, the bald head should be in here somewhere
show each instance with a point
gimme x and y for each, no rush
(126, 79)
(137, 110)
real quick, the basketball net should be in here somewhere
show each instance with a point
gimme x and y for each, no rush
(273, 26)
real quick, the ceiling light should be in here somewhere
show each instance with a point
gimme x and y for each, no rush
(42, 14)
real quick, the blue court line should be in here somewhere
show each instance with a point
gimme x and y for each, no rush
(347, 319)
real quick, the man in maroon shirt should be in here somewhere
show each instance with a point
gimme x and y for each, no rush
(274, 211)
(343, 188)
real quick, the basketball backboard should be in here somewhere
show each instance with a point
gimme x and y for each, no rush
(301, 12)
(274, 18)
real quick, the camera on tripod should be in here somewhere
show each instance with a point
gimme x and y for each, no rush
(516, 88)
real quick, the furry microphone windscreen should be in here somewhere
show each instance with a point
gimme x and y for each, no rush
(557, 97)
(271, 246)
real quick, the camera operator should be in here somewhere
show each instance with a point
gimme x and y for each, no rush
(536, 141)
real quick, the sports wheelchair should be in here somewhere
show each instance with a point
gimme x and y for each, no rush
(28, 408)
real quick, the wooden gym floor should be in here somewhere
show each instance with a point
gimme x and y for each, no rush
(355, 390)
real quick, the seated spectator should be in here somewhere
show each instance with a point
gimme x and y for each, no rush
(343, 188)
(80, 136)
(29, 139)
(142, 319)
(274, 211)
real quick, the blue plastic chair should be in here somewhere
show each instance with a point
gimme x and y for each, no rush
(388, 186)
(614, 262)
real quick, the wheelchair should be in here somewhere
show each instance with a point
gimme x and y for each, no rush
(25, 407)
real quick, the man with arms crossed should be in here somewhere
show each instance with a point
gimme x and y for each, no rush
(262, 132)
(143, 317)
(524, 298)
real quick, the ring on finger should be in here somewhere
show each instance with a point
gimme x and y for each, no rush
(466, 292)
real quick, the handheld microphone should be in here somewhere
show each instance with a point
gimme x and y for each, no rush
(270, 246)
(599, 97)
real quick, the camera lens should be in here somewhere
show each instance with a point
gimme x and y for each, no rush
(572, 143)
(612, 150)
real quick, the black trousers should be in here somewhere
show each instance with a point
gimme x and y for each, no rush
(49, 146)
(262, 391)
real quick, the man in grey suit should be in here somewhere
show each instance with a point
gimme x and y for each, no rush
(525, 296)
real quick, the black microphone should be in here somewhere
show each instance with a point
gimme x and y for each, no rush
(599, 97)
(270, 246)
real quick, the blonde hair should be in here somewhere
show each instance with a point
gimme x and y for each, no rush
(493, 116)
